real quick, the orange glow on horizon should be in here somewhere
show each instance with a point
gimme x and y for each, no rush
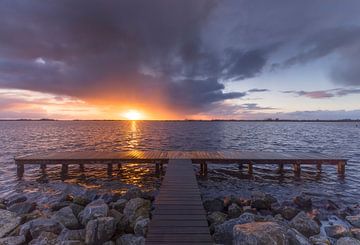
(133, 115)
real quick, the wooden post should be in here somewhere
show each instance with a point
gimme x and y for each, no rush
(205, 168)
(318, 166)
(240, 166)
(157, 168)
(64, 168)
(280, 168)
(297, 169)
(109, 169)
(81, 167)
(43, 167)
(201, 168)
(20, 170)
(250, 168)
(341, 168)
(161, 167)
(119, 166)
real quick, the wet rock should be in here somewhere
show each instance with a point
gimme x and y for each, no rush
(234, 211)
(44, 238)
(355, 233)
(337, 231)
(31, 216)
(229, 200)
(132, 193)
(93, 210)
(216, 218)
(296, 238)
(2, 206)
(60, 205)
(141, 226)
(261, 233)
(71, 242)
(135, 208)
(109, 243)
(66, 217)
(8, 222)
(214, 205)
(36, 226)
(305, 225)
(319, 240)
(99, 230)
(347, 241)
(121, 221)
(224, 232)
(130, 239)
(289, 212)
(81, 200)
(72, 235)
(354, 220)
(149, 195)
(108, 198)
(119, 205)
(76, 208)
(12, 240)
(260, 200)
(249, 209)
(22, 207)
(15, 199)
(303, 201)
(330, 205)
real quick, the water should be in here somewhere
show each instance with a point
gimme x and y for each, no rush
(340, 138)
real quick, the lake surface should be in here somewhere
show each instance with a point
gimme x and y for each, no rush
(338, 138)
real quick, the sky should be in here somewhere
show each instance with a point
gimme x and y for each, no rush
(167, 59)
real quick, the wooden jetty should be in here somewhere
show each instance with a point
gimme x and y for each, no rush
(179, 216)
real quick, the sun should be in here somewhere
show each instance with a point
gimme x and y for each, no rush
(132, 115)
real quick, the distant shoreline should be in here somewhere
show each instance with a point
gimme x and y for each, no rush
(184, 120)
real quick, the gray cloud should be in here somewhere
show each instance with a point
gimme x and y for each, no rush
(258, 90)
(322, 94)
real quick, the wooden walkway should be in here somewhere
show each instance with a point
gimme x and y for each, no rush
(179, 216)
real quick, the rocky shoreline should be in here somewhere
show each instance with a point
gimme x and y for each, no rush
(263, 220)
(76, 220)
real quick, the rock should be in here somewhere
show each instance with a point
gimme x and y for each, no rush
(214, 205)
(347, 241)
(141, 226)
(289, 212)
(99, 230)
(36, 226)
(249, 209)
(337, 231)
(305, 225)
(130, 239)
(319, 240)
(66, 217)
(8, 222)
(149, 195)
(22, 207)
(296, 238)
(135, 208)
(33, 215)
(216, 218)
(81, 200)
(303, 202)
(354, 220)
(76, 208)
(71, 242)
(234, 211)
(12, 240)
(119, 205)
(44, 238)
(71, 235)
(355, 233)
(330, 205)
(109, 243)
(2, 206)
(108, 198)
(260, 233)
(60, 205)
(93, 210)
(260, 200)
(121, 221)
(224, 232)
(132, 193)
(15, 199)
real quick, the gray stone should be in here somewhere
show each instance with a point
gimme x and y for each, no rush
(81, 200)
(93, 210)
(216, 218)
(119, 205)
(130, 239)
(8, 222)
(36, 226)
(70, 242)
(135, 208)
(76, 208)
(234, 211)
(214, 205)
(71, 235)
(337, 231)
(303, 201)
(355, 233)
(141, 226)
(22, 207)
(66, 217)
(296, 238)
(99, 230)
(260, 200)
(109, 243)
(260, 233)
(289, 212)
(121, 221)
(132, 193)
(224, 232)
(44, 238)
(12, 240)
(347, 241)
(59, 205)
(319, 240)
(305, 225)
(15, 199)
(354, 220)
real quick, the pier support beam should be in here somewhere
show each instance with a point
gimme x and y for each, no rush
(119, 166)
(280, 168)
(81, 167)
(43, 167)
(341, 168)
(241, 166)
(250, 168)
(157, 168)
(318, 167)
(297, 169)
(64, 170)
(109, 169)
(20, 170)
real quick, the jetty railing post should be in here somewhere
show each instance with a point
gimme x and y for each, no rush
(341, 167)
(297, 169)
(250, 168)
(19, 170)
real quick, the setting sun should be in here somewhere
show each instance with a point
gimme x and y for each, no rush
(132, 115)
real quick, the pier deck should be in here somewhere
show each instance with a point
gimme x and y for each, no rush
(179, 216)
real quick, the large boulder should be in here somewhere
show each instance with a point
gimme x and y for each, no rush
(319, 240)
(121, 221)
(22, 207)
(72, 235)
(214, 205)
(354, 220)
(66, 217)
(36, 226)
(93, 210)
(132, 193)
(216, 218)
(303, 201)
(99, 230)
(224, 232)
(8, 222)
(355, 233)
(59, 205)
(76, 208)
(12, 240)
(305, 225)
(296, 238)
(260, 200)
(17, 198)
(260, 233)
(234, 211)
(119, 205)
(347, 241)
(289, 212)
(141, 226)
(130, 239)
(135, 208)
(337, 231)
(45, 238)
